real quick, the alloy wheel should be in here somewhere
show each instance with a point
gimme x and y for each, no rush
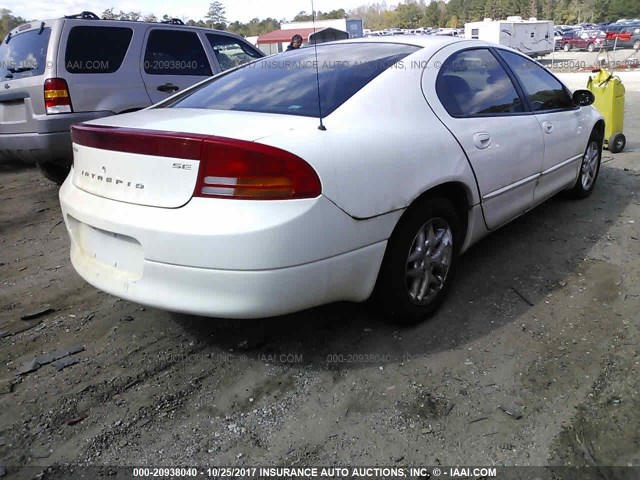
(429, 260)
(590, 165)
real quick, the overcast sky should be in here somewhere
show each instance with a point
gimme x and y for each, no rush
(242, 10)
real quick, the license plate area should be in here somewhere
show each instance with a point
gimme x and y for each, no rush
(13, 111)
(110, 249)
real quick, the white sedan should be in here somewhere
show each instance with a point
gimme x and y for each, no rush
(361, 167)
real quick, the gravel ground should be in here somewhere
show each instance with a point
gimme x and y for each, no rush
(533, 360)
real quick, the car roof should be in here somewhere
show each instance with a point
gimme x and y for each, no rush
(417, 40)
(110, 22)
(427, 42)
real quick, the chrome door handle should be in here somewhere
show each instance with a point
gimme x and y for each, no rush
(481, 140)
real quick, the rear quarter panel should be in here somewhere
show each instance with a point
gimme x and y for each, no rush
(382, 148)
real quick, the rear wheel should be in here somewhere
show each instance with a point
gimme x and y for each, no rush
(589, 168)
(591, 47)
(636, 45)
(419, 262)
(54, 172)
(566, 47)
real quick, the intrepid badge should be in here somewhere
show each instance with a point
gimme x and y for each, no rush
(112, 180)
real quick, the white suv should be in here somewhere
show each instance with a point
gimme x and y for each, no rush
(56, 73)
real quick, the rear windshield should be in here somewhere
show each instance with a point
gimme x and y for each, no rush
(96, 49)
(288, 82)
(25, 54)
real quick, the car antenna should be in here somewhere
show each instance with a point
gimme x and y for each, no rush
(315, 48)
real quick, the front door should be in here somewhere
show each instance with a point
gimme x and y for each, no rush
(565, 127)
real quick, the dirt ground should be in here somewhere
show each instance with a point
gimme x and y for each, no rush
(533, 360)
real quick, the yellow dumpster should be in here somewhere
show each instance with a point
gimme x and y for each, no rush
(609, 93)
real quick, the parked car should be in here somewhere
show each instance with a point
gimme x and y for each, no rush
(626, 36)
(558, 32)
(244, 197)
(589, 40)
(60, 72)
(557, 39)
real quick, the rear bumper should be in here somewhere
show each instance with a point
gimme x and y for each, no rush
(238, 293)
(50, 143)
(225, 258)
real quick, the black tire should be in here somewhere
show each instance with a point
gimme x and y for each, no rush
(393, 288)
(636, 45)
(584, 186)
(54, 172)
(591, 47)
(617, 142)
(566, 47)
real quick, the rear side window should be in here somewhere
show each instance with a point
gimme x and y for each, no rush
(230, 52)
(174, 52)
(289, 83)
(96, 49)
(473, 82)
(25, 54)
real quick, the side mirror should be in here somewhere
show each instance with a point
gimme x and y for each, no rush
(583, 98)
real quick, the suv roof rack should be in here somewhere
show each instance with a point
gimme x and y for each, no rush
(86, 15)
(173, 21)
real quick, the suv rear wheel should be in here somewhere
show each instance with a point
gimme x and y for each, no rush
(54, 172)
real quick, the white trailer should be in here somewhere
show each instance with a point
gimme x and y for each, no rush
(532, 37)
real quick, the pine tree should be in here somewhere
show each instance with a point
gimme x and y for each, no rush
(216, 16)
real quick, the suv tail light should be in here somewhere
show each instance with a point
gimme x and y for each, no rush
(229, 168)
(56, 96)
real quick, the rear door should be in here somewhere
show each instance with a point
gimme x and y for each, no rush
(479, 103)
(172, 60)
(23, 62)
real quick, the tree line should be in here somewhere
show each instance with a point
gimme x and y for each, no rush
(455, 13)
(409, 14)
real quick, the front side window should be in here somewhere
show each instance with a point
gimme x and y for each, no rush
(473, 82)
(175, 52)
(230, 52)
(543, 90)
(302, 82)
(96, 49)
(24, 55)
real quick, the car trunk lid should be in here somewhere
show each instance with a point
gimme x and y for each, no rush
(146, 158)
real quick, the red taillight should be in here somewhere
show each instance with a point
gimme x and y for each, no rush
(56, 96)
(245, 170)
(229, 168)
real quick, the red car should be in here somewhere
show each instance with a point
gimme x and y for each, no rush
(589, 40)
